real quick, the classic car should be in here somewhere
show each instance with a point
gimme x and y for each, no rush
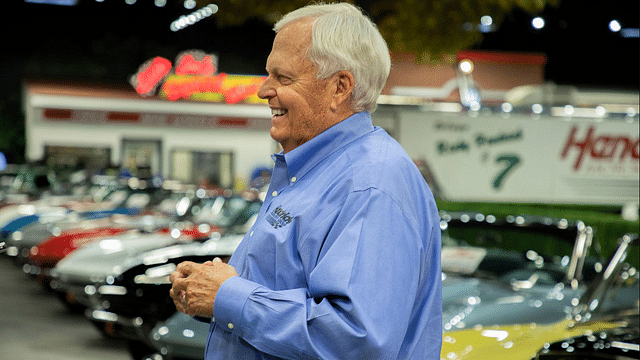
(502, 271)
(612, 294)
(23, 183)
(102, 262)
(28, 209)
(172, 212)
(142, 299)
(495, 271)
(138, 300)
(37, 223)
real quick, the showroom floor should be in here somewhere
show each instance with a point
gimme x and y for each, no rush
(35, 325)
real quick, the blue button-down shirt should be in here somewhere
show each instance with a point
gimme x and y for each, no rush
(343, 261)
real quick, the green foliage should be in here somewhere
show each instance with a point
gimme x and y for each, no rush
(430, 29)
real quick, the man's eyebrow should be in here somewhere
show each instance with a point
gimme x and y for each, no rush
(277, 71)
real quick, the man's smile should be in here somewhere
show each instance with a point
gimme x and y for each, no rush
(278, 112)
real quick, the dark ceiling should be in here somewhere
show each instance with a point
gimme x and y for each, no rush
(109, 40)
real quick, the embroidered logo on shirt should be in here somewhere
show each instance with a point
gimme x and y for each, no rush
(279, 218)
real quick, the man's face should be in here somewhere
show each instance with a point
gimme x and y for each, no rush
(299, 103)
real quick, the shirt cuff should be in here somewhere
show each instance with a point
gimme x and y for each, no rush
(230, 301)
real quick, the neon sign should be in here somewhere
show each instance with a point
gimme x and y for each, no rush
(194, 78)
(150, 75)
(188, 65)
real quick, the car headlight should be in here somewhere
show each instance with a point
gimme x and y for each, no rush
(112, 290)
(144, 279)
(16, 235)
(12, 251)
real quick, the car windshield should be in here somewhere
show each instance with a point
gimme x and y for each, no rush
(512, 250)
(226, 212)
(176, 204)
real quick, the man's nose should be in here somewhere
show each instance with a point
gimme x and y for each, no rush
(266, 90)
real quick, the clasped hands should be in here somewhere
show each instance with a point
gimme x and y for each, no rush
(194, 286)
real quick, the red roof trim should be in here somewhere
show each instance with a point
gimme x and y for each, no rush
(123, 116)
(57, 113)
(503, 57)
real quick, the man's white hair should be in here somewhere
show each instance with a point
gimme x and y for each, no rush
(343, 38)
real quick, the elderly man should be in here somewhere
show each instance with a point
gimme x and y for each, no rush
(343, 261)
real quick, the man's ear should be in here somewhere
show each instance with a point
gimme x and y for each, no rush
(344, 84)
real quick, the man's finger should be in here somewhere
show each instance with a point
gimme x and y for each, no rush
(179, 285)
(175, 275)
(185, 268)
(175, 294)
(180, 303)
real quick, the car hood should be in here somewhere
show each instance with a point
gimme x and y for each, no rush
(111, 257)
(215, 246)
(67, 236)
(39, 232)
(513, 342)
(11, 212)
(471, 301)
(57, 247)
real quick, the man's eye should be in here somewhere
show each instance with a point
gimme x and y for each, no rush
(284, 79)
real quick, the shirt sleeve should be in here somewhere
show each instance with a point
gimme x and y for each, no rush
(361, 294)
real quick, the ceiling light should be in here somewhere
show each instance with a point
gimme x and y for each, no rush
(486, 20)
(537, 23)
(614, 26)
(186, 20)
(466, 66)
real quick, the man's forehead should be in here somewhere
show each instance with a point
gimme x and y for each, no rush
(296, 34)
(289, 46)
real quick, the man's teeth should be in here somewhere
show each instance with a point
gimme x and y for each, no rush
(278, 112)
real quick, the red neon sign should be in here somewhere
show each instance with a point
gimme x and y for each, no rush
(189, 65)
(150, 75)
(153, 72)
(176, 89)
(194, 73)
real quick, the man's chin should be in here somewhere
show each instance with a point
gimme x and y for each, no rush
(277, 136)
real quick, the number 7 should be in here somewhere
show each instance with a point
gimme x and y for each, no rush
(510, 161)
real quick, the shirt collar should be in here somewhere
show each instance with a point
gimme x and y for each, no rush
(303, 158)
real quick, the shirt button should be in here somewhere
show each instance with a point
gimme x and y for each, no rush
(251, 234)
(274, 194)
(293, 179)
(230, 326)
(213, 319)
